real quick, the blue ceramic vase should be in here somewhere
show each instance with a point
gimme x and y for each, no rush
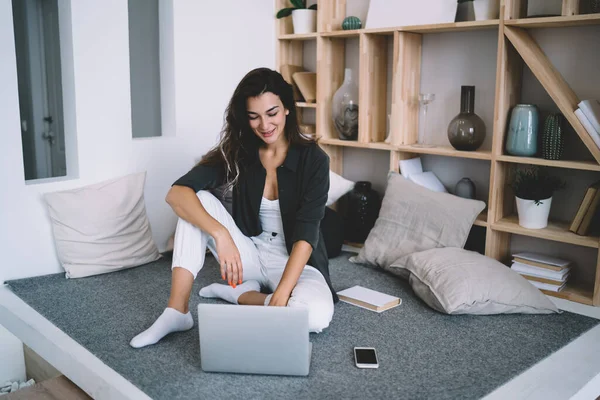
(522, 137)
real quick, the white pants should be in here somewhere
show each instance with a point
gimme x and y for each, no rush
(264, 258)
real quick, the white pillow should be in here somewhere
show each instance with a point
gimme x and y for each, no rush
(338, 186)
(102, 227)
(457, 281)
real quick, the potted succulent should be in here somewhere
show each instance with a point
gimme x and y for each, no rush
(533, 189)
(304, 18)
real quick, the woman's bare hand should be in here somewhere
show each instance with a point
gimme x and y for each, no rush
(229, 259)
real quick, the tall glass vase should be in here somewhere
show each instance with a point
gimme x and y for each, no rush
(467, 130)
(345, 108)
(423, 140)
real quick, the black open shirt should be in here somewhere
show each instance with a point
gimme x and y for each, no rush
(303, 181)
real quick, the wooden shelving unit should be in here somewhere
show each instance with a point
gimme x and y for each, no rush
(302, 104)
(516, 48)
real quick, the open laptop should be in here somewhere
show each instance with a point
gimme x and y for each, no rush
(254, 339)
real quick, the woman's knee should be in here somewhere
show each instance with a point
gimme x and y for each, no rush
(320, 313)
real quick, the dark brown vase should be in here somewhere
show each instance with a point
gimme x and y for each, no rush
(466, 131)
(363, 205)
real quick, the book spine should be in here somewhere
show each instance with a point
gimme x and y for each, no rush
(544, 280)
(591, 110)
(583, 207)
(588, 126)
(537, 264)
(589, 215)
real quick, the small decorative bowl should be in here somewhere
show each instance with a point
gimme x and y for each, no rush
(350, 23)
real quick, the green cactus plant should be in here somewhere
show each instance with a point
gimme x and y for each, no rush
(553, 139)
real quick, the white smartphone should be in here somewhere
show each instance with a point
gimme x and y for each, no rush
(365, 357)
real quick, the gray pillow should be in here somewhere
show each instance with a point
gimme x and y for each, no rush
(413, 218)
(457, 281)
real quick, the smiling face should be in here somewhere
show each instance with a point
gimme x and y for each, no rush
(267, 115)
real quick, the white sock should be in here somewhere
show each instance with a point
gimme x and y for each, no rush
(169, 321)
(227, 293)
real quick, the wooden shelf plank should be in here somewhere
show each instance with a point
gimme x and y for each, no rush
(306, 105)
(556, 231)
(343, 34)
(451, 27)
(583, 165)
(447, 151)
(299, 36)
(555, 22)
(481, 219)
(552, 81)
(572, 293)
(430, 28)
(356, 144)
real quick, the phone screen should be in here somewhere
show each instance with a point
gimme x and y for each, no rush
(365, 356)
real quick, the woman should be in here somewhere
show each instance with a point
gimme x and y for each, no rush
(280, 180)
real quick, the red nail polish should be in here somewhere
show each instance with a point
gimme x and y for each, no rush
(240, 282)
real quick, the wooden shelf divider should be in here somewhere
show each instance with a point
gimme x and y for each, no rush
(556, 22)
(555, 231)
(582, 165)
(447, 151)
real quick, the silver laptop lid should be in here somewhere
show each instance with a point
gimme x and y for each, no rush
(254, 339)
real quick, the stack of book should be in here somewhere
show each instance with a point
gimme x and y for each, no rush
(587, 211)
(543, 272)
(588, 114)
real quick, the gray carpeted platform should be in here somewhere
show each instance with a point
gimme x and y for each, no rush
(423, 354)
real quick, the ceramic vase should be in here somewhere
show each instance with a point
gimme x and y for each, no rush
(363, 204)
(304, 21)
(522, 135)
(345, 108)
(533, 214)
(465, 188)
(467, 130)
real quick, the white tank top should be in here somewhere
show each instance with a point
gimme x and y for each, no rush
(270, 216)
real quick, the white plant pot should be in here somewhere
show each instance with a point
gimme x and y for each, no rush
(486, 9)
(531, 215)
(305, 21)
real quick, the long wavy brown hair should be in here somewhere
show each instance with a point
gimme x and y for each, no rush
(237, 141)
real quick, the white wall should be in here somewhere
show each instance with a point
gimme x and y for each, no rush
(214, 46)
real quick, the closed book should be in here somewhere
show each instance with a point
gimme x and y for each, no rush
(539, 272)
(591, 109)
(548, 287)
(546, 280)
(541, 260)
(583, 207)
(369, 299)
(589, 215)
(595, 135)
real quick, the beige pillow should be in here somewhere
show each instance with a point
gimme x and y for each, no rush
(457, 281)
(413, 218)
(102, 227)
